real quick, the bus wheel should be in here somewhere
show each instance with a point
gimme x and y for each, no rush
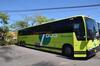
(67, 50)
(22, 43)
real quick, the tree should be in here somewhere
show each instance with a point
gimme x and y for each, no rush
(25, 22)
(4, 18)
(4, 28)
(19, 25)
(15, 27)
(39, 19)
(4, 21)
(42, 19)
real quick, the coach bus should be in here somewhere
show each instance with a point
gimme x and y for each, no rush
(73, 37)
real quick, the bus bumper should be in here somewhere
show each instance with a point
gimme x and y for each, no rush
(79, 54)
(84, 54)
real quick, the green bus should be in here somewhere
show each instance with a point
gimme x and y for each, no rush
(73, 37)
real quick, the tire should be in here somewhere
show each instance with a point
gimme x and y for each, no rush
(22, 43)
(67, 50)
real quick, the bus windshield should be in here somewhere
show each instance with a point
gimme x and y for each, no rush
(99, 28)
(92, 28)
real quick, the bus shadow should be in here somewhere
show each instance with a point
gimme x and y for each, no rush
(42, 50)
(80, 58)
(57, 53)
(98, 48)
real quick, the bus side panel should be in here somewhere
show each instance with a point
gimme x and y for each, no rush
(79, 47)
(29, 39)
(50, 40)
(92, 44)
(54, 42)
(61, 39)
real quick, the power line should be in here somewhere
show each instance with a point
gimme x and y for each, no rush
(56, 8)
(30, 13)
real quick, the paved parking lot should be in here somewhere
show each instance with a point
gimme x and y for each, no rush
(20, 56)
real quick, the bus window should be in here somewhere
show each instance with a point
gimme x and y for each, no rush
(99, 29)
(76, 26)
(92, 30)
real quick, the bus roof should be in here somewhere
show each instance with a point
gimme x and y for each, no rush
(57, 20)
(58, 26)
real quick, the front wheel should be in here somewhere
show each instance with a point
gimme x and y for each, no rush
(68, 51)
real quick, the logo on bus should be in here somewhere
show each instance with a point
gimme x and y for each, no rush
(46, 38)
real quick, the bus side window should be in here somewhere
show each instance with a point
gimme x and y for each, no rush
(76, 26)
(77, 30)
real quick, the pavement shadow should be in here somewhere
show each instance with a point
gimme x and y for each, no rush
(5, 53)
(98, 48)
(42, 50)
(44, 63)
(78, 58)
(58, 54)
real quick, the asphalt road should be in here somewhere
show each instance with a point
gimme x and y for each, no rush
(20, 56)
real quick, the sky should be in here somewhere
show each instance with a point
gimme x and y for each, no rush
(93, 12)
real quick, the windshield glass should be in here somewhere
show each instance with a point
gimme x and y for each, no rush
(92, 28)
(99, 29)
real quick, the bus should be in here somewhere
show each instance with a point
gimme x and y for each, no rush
(73, 37)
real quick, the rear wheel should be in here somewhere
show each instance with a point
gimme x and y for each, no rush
(22, 43)
(68, 51)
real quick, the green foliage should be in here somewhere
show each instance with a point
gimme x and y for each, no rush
(19, 25)
(4, 28)
(29, 21)
(38, 19)
(42, 19)
(4, 17)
